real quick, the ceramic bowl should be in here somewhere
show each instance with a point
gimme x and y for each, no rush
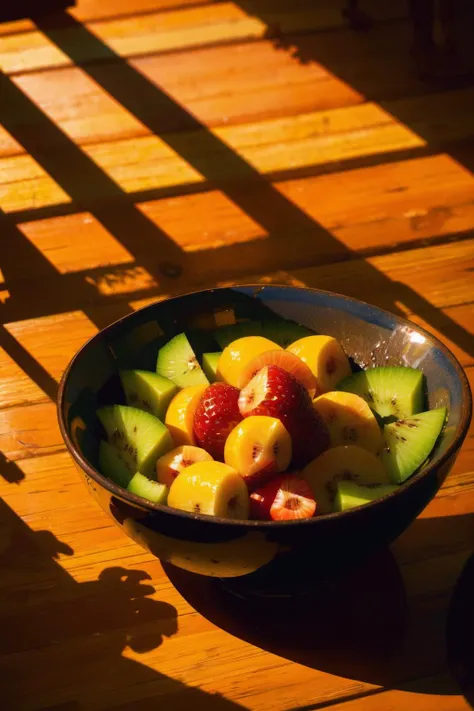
(222, 548)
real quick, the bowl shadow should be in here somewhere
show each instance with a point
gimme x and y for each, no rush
(374, 624)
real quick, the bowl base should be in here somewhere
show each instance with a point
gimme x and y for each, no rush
(286, 581)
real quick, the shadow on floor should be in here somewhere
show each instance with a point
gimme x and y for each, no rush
(460, 632)
(10, 471)
(62, 641)
(363, 627)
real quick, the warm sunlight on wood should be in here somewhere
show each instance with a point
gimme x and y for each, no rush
(25, 185)
(153, 148)
(8, 145)
(161, 32)
(51, 340)
(4, 293)
(275, 145)
(321, 137)
(122, 280)
(16, 387)
(75, 242)
(427, 184)
(79, 106)
(128, 36)
(143, 163)
(217, 221)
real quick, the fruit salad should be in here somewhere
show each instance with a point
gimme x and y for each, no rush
(273, 425)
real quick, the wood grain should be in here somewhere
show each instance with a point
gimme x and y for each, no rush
(410, 280)
(153, 147)
(407, 202)
(186, 27)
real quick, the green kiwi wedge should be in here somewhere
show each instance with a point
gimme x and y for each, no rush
(409, 441)
(209, 365)
(284, 332)
(148, 391)
(392, 392)
(139, 437)
(113, 465)
(178, 362)
(148, 489)
(349, 494)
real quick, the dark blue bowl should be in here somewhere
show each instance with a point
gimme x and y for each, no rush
(221, 548)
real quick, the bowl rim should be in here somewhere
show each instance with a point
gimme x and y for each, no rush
(118, 491)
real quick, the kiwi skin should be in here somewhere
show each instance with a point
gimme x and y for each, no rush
(390, 391)
(178, 362)
(410, 441)
(148, 489)
(139, 437)
(113, 465)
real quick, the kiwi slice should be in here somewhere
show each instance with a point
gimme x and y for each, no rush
(408, 442)
(177, 361)
(148, 391)
(112, 464)
(227, 334)
(209, 365)
(349, 494)
(389, 391)
(148, 489)
(284, 332)
(139, 437)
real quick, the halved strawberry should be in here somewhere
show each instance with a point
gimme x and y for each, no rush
(275, 392)
(294, 500)
(216, 415)
(261, 499)
(285, 498)
(283, 359)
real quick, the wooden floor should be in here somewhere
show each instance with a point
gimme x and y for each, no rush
(151, 147)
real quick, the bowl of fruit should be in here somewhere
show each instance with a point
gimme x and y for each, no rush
(241, 431)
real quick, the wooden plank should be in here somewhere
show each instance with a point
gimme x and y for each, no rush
(88, 618)
(155, 32)
(52, 341)
(73, 642)
(88, 10)
(52, 490)
(435, 275)
(392, 281)
(72, 243)
(283, 86)
(272, 146)
(160, 31)
(378, 201)
(50, 485)
(442, 690)
(442, 276)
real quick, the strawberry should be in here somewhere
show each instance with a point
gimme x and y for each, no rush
(261, 499)
(294, 500)
(216, 415)
(275, 392)
(285, 498)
